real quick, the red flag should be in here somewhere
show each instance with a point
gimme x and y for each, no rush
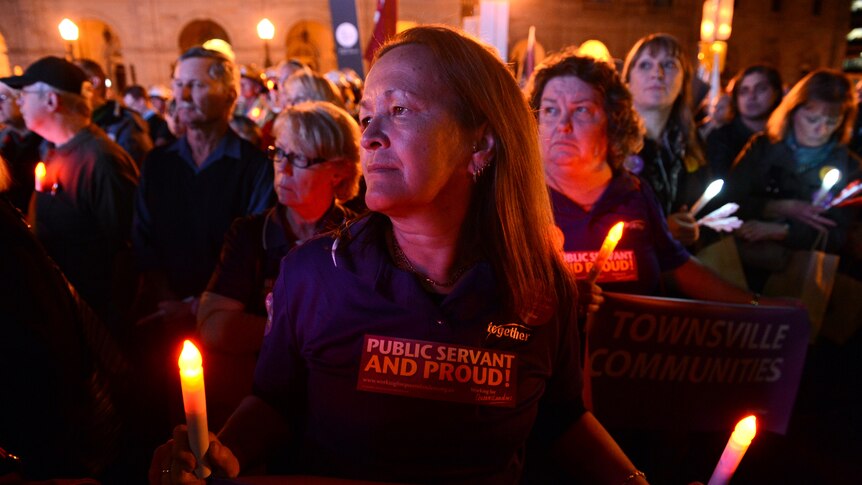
(385, 19)
(529, 62)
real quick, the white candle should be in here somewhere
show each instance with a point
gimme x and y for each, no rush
(829, 180)
(611, 240)
(711, 191)
(195, 404)
(40, 176)
(736, 447)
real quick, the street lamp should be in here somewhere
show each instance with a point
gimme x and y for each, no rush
(266, 31)
(69, 33)
(715, 29)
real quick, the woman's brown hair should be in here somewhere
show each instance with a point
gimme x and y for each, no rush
(824, 85)
(624, 129)
(510, 218)
(681, 115)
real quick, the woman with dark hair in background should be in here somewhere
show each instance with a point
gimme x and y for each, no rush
(775, 179)
(658, 75)
(755, 92)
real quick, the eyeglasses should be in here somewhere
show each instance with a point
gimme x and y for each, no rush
(277, 155)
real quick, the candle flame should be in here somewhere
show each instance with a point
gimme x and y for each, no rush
(40, 170)
(616, 232)
(831, 178)
(714, 188)
(745, 430)
(190, 358)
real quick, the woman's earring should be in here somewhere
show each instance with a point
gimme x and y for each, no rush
(478, 172)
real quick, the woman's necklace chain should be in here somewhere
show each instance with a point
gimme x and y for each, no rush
(402, 262)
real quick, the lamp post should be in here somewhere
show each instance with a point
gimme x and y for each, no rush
(266, 31)
(69, 33)
(715, 29)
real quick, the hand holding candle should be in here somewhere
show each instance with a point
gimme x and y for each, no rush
(711, 191)
(194, 402)
(613, 237)
(830, 178)
(40, 176)
(736, 447)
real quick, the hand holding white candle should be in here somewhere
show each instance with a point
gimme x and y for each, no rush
(829, 180)
(195, 404)
(736, 447)
(711, 191)
(40, 176)
(611, 240)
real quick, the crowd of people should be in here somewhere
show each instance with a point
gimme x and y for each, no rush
(296, 224)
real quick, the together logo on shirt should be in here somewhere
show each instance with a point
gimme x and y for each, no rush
(514, 331)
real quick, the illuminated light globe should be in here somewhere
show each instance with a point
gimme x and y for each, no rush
(220, 45)
(68, 30)
(265, 30)
(595, 49)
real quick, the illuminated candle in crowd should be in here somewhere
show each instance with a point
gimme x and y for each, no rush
(195, 404)
(613, 237)
(40, 176)
(711, 191)
(732, 455)
(829, 180)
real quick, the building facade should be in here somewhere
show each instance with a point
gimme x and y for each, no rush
(137, 41)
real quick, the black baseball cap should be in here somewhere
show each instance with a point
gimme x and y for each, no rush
(53, 71)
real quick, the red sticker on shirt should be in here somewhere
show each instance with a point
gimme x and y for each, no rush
(620, 266)
(443, 372)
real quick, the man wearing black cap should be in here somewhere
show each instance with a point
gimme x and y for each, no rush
(83, 202)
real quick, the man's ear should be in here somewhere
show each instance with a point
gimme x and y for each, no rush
(52, 100)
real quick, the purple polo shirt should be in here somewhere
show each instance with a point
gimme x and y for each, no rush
(309, 367)
(646, 249)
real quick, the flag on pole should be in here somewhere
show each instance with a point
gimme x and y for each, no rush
(385, 19)
(529, 61)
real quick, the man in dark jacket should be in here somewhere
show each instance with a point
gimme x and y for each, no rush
(83, 212)
(122, 125)
(19, 147)
(135, 98)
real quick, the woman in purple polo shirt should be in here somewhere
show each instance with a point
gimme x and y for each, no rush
(587, 128)
(430, 339)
